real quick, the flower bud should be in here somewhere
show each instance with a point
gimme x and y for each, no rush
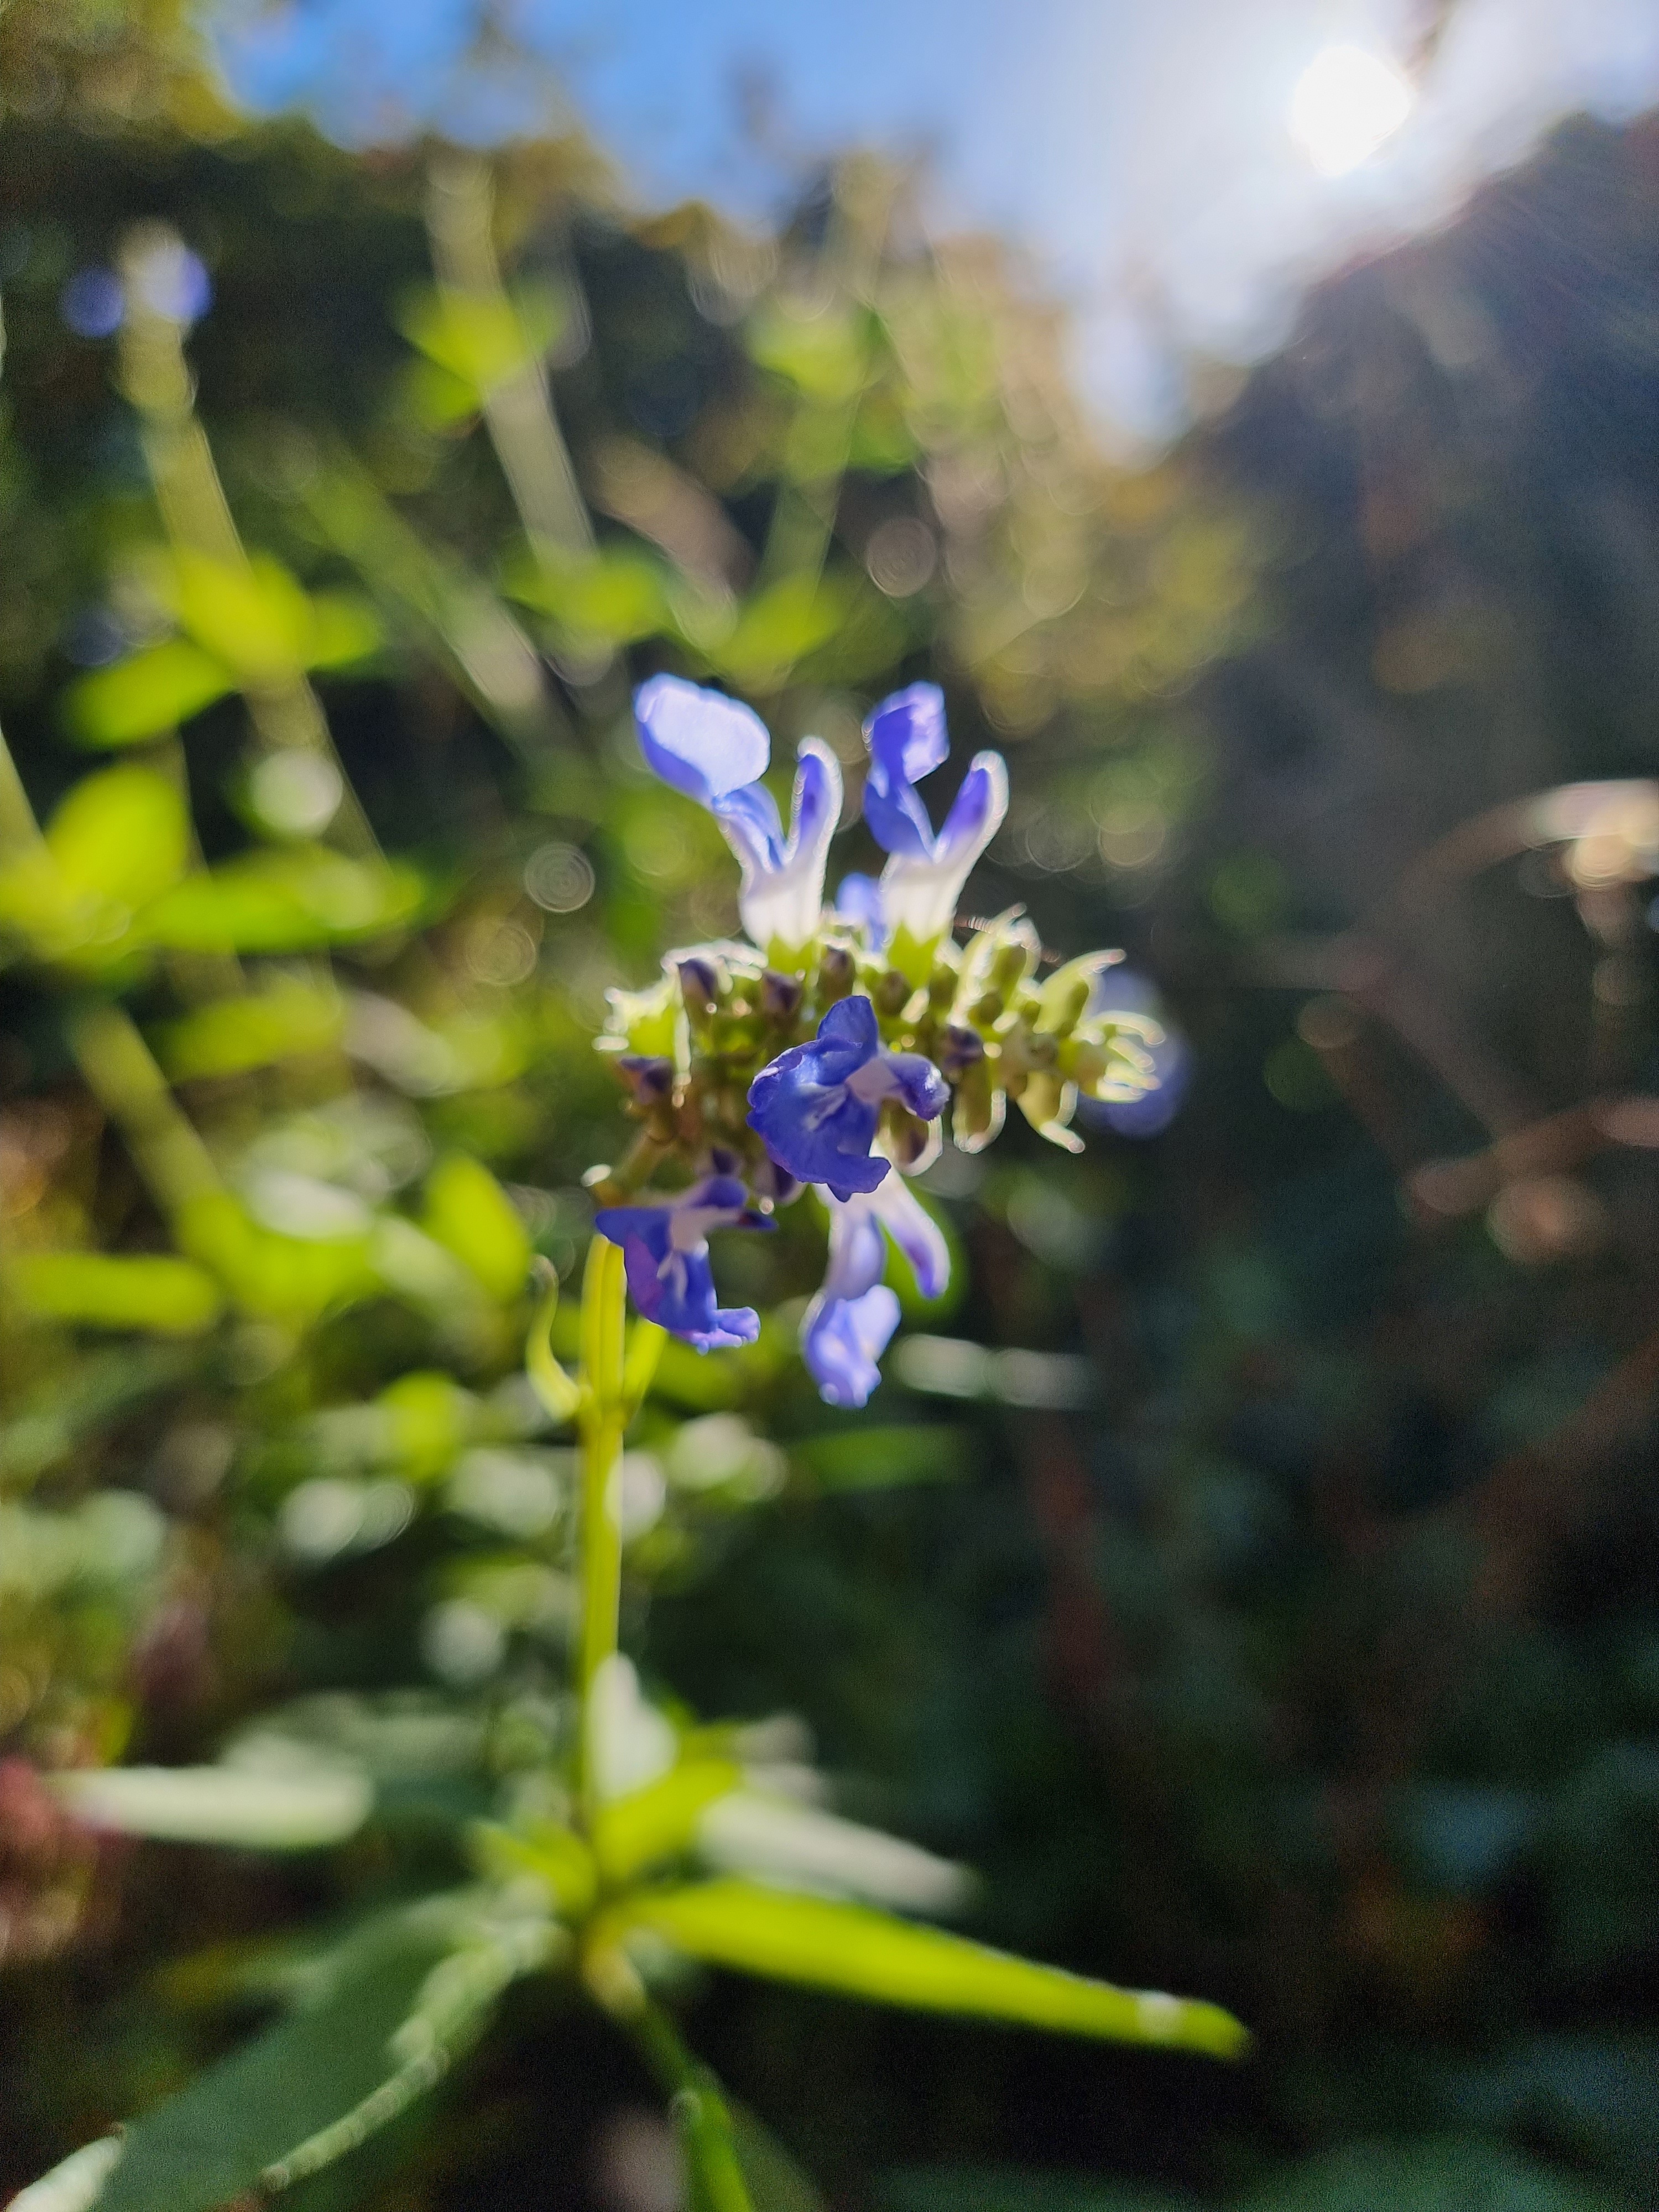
(836, 971)
(649, 1079)
(781, 996)
(979, 1108)
(909, 1142)
(703, 984)
(958, 1049)
(891, 993)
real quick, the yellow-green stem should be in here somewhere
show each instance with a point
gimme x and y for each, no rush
(603, 1418)
(286, 712)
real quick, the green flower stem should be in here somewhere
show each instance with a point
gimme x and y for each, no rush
(121, 1073)
(600, 1423)
(699, 2108)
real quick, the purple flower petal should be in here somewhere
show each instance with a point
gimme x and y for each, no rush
(817, 1105)
(702, 743)
(843, 1338)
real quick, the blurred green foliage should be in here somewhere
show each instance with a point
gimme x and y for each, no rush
(1259, 1584)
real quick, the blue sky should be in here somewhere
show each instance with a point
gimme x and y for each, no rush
(1140, 150)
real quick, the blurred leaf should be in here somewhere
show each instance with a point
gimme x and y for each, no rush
(432, 1418)
(394, 2007)
(76, 1402)
(288, 1278)
(776, 2183)
(296, 900)
(826, 355)
(229, 1804)
(285, 1020)
(481, 342)
(776, 1838)
(863, 1953)
(343, 629)
(148, 693)
(858, 1458)
(1591, 2096)
(256, 619)
(122, 835)
(615, 595)
(469, 1214)
(659, 1821)
(172, 1297)
(778, 627)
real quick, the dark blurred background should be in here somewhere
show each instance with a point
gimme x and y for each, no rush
(1292, 1634)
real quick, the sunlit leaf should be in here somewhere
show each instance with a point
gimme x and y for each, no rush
(481, 342)
(432, 1418)
(294, 899)
(343, 629)
(615, 595)
(285, 1021)
(859, 1952)
(659, 1821)
(167, 1297)
(122, 835)
(229, 1804)
(469, 1214)
(826, 355)
(778, 627)
(255, 618)
(149, 692)
(289, 1278)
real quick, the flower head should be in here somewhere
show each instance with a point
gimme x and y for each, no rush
(925, 873)
(665, 1246)
(817, 1106)
(846, 1328)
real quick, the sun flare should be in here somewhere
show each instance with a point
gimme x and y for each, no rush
(1346, 104)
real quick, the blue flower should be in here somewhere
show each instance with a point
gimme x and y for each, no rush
(664, 1249)
(925, 873)
(846, 1327)
(713, 749)
(843, 1340)
(817, 1105)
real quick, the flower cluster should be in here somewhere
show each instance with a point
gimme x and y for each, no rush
(827, 1049)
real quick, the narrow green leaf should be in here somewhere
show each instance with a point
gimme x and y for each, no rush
(864, 1953)
(391, 2011)
(149, 692)
(166, 1297)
